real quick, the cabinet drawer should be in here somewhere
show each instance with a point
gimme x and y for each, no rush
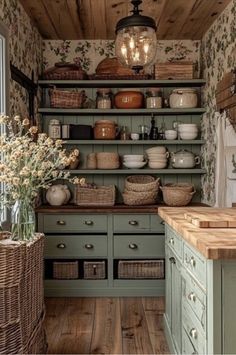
(75, 246)
(191, 326)
(174, 241)
(157, 224)
(131, 223)
(195, 297)
(195, 264)
(141, 246)
(74, 223)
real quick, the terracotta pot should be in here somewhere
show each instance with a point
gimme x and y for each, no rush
(105, 129)
(129, 99)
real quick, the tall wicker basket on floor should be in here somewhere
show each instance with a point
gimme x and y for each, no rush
(21, 292)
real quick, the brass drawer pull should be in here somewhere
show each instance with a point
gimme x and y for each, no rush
(172, 241)
(61, 223)
(61, 246)
(193, 333)
(162, 222)
(133, 246)
(192, 261)
(192, 297)
(88, 223)
(89, 246)
(133, 223)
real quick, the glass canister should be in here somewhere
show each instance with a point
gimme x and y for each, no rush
(104, 99)
(54, 129)
(154, 98)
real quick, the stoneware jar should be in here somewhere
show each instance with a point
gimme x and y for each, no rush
(105, 129)
(183, 98)
(129, 99)
(58, 195)
(184, 159)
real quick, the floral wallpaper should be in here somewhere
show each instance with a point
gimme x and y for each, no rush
(25, 50)
(90, 53)
(218, 56)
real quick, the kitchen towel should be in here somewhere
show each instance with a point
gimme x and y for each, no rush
(225, 177)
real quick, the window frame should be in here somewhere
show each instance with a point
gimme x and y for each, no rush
(4, 91)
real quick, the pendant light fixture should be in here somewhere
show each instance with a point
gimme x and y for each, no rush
(136, 42)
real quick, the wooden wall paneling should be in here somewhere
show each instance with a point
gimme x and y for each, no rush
(73, 10)
(115, 10)
(41, 17)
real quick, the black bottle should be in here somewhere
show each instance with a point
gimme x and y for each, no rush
(154, 130)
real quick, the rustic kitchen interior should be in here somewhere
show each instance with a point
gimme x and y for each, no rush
(139, 239)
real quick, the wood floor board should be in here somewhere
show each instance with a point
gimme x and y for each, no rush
(105, 325)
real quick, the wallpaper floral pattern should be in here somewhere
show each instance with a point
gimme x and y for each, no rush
(25, 50)
(90, 53)
(218, 56)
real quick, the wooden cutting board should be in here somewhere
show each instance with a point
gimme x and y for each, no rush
(211, 219)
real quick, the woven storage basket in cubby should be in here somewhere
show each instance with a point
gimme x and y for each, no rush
(66, 99)
(141, 183)
(141, 269)
(94, 270)
(65, 269)
(99, 196)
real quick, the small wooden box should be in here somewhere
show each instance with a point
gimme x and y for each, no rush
(65, 269)
(141, 269)
(174, 70)
(94, 270)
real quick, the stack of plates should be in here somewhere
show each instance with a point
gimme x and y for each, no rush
(157, 157)
(134, 161)
(188, 130)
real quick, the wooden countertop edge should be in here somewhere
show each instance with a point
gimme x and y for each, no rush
(202, 239)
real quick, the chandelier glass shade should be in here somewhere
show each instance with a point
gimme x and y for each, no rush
(136, 42)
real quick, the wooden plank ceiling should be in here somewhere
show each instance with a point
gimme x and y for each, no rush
(96, 19)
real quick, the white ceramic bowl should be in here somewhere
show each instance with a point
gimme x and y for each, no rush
(188, 135)
(157, 164)
(187, 125)
(134, 164)
(134, 136)
(158, 156)
(133, 157)
(170, 134)
(159, 149)
(188, 130)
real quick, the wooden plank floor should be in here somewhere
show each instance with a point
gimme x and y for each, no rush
(105, 326)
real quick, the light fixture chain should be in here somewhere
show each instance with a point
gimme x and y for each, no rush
(136, 3)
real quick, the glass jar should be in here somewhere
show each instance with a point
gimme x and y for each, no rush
(103, 100)
(124, 135)
(154, 98)
(54, 129)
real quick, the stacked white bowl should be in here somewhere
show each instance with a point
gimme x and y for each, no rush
(188, 131)
(157, 157)
(134, 161)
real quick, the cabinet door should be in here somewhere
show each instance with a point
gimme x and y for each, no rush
(173, 297)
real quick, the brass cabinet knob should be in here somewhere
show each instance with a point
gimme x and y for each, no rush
(172, 241)
(172, 260)
(192, 261)
(61, 246)
(89, 246)
(192, 297)
(162, 222)
(133, 223)
(61, 223)
(133, 246)
(88, 223)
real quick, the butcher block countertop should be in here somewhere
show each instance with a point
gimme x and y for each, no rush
(213, 243)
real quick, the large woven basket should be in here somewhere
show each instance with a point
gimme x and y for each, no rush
(94, 270)
(133, 198)
(176, 197)
(141, 183)
(66, 269)
(99, 196)
(141, 269)
(66, 99)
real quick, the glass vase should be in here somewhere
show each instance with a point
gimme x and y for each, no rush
(22, 220)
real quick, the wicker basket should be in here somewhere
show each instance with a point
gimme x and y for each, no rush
(176, 197)
(65, 71)
(141, 269)
(65, 269)
(142, 198)
(94, 270)
(180, 186)
(141, 183)
(99, 196)
(66, 99)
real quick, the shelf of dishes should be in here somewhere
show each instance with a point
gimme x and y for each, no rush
(123, 171)
(134, 142)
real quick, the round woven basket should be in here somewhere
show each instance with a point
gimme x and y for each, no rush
(133, 198)
(180, 186)
(141, 183)
(176, 197)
